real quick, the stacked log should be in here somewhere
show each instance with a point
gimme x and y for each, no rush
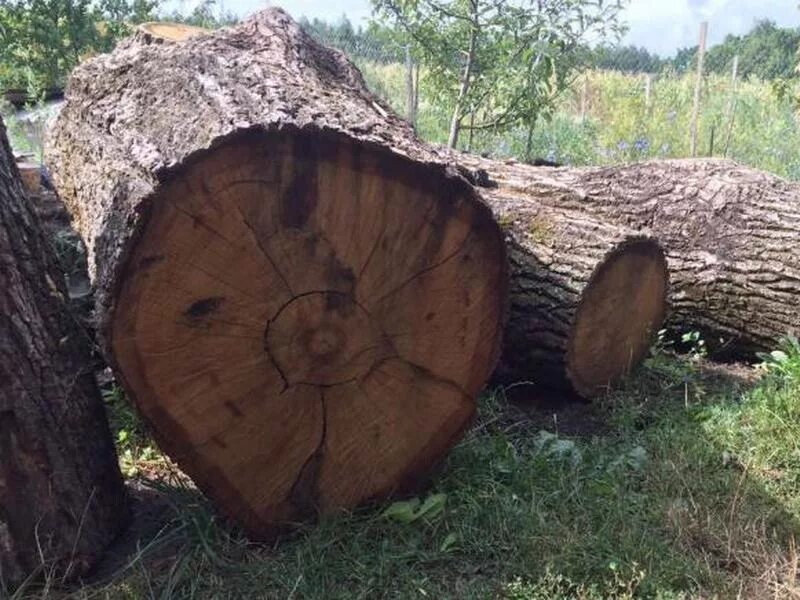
(62, 500)
(730, 234)
(587, 297)
(301, 298)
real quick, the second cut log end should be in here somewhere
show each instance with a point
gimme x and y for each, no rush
(620, 311)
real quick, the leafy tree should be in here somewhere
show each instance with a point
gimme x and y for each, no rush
(627, 59)
(376, 42)
(119, 15)
(685, 59)
(206, 14)
(41, 40)
(766, 52)
(500, 63)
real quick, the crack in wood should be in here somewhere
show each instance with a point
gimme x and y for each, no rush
(426, 270)
(265, 252)
(304, 494)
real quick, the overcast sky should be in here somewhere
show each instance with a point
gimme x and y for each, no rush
(659, 25)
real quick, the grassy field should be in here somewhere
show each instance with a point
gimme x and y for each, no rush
(758, 126)
(683, 484)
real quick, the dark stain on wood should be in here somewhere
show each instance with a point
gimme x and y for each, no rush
(300, 199)
(234, 409)
(202, 308)
(341, 303)
(340, 276)
(333, 301)
(304, 495)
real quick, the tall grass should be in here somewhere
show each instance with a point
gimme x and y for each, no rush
(758, 126)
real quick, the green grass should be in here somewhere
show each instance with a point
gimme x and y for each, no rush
(684, 484)
(618, 126)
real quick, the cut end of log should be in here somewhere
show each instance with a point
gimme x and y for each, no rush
(170, 32)
(306, 320)
(622, 308)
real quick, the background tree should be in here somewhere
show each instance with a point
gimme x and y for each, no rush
(42, 40)
(208, 13)
(499, 63)
(376, 42)
(118, 17)
(767, 52)
(627, 59)
(684, 59)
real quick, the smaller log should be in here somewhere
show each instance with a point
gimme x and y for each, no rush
(730, 233)
(587, 297)
(62, 499)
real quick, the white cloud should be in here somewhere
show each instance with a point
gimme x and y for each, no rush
(356, 10)
(664, 25)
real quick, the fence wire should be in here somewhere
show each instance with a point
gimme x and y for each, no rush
(628, 105)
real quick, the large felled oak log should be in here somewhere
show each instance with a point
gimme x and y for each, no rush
(731, 234)
(301, 299)
(62, 500)
(587, 297)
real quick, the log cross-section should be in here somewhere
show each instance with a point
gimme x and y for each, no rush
(302, 299)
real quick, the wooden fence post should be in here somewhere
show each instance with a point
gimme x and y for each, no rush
(701, 51)
(734, 100)
(411, 108)
(585, 97)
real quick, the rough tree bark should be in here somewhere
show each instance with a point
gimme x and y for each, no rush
(301, 298)
(730, 233)
(587, 297)
(62, 499)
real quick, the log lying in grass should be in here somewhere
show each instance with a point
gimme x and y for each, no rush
(731, 234)
(62, 500)
(301, 299)
(586, 297)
